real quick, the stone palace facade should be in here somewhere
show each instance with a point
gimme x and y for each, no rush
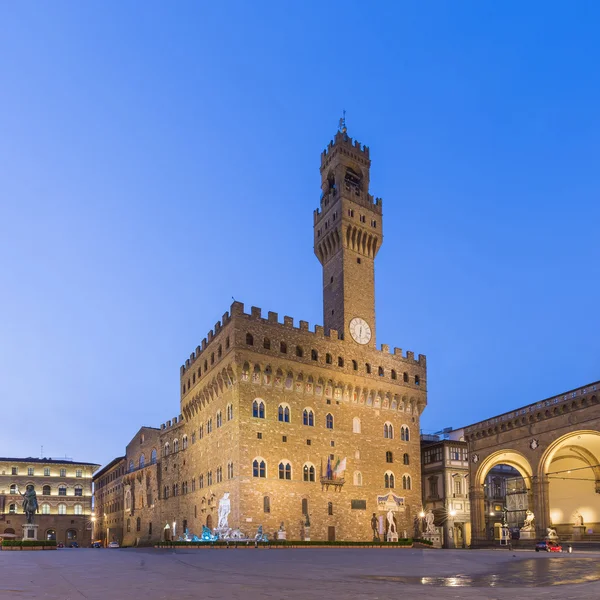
(316, 429)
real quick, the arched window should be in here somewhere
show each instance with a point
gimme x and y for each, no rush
(167, 449)
(142, 461)
(394, 374)
(62, 490)
(153, 456)
(266, 504)
(404, 433)
(304, 506)
(357, 478)
(201, 432)
(175, 445)
(368, 368)
(258, 409)
(406, 482)
(405, 459)
(314, 355)
(388, 480)
(184, 442)
(13, 488)
(417, 380)
(381, 372)
(285, 470)
(299, 351)
(51, 535)
(131, 466)
(329, 421)
(78, 509)
(283, 413)
(328, 358)
(46, 490)
(389, 457)
(330, 508)
(249, 339)
(354, 365)
(220, 351)
(267, 344)
(308, 417)
(405, 377)
(12, 509)
(259, 468)
(128, 499)
(45, 508)
(388, 430)
(219, 419)
(78, 490)
(71, 534)
(308, 472)
(62, 509)
(138, 524)
(340, 361)
(283, 347)
(229, 412)
(356, 425)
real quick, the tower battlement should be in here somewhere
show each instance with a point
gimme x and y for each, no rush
(342, 142)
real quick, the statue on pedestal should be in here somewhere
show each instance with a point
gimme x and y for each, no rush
(30, 503)
(429, 522)
(374, 527)
(529, 518)
(577, 520)
(391, 524)
(551, 533)
(224, 510)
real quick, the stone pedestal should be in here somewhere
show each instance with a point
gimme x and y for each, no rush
(392, 537)
(434, 538)
(578, 531)
(527, 535)
(282, 535)
(30, 532)
(307, 533)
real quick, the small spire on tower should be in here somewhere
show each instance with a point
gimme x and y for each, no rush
(342, 125)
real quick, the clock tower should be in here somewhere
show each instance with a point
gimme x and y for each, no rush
(347, 236)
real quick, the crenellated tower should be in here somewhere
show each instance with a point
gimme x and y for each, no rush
(347, 235)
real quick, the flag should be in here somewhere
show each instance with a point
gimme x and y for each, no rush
(340, 467)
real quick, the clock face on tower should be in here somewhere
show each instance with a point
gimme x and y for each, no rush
(360, 331)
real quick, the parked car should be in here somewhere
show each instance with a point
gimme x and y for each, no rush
(97, 544)
(113, 544)
(548, 546)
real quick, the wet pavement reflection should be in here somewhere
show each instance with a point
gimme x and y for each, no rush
(521, 573)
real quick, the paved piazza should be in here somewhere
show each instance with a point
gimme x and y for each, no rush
(151, 574)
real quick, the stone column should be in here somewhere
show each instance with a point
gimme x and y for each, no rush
(541, 505)
(477, 500)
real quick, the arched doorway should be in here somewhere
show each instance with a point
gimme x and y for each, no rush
(51, 534)
(209, 522)
(570, 472)
(501, 495)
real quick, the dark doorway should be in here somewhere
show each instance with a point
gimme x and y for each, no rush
(331, 533)
(209, 522)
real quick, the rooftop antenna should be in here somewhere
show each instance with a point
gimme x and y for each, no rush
(342, 125)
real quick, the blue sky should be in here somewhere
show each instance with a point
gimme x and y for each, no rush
(157, 159)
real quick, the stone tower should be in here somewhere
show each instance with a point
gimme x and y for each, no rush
(347, 236)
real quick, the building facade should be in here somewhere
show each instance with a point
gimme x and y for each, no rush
(64, 494)
(316, 429)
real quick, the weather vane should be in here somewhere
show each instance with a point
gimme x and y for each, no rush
(342, 125)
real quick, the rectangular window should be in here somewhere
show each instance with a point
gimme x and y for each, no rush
(259, 435)
(308, 442)
(15, 470)
(457, 486)
(46, 471)
(358, 504)
(63, 472)
(284, 438)
(30, 471)
(78, 473)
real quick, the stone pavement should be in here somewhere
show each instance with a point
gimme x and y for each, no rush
(248, 574)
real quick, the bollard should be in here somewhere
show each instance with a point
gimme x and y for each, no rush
(570, 549)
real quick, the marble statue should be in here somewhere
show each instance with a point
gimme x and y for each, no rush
(529, 518)
(374, 526)
(30, 503)
(551, 533)
(391, 525)
(281, 527)
(429, 522)
(577, 520)
(224, 510)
